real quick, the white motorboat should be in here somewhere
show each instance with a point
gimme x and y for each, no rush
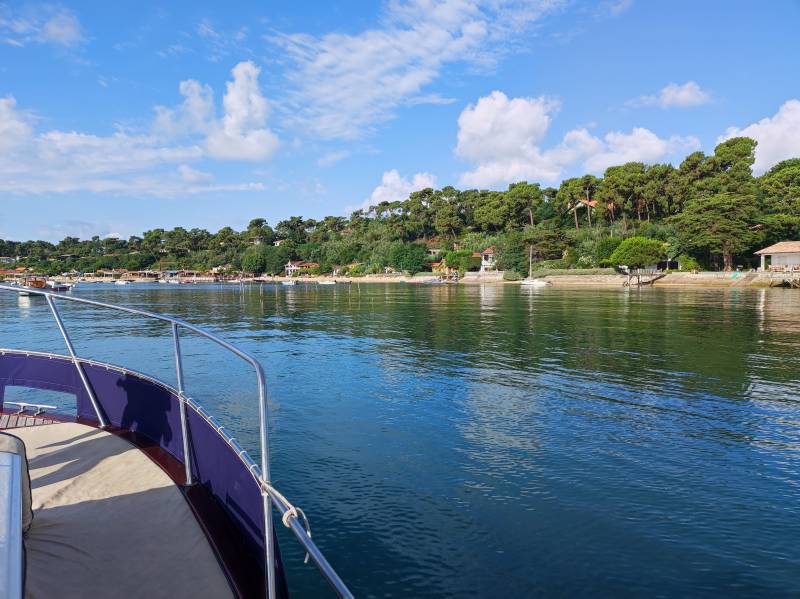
(121, 282)
(535, 283)
(288, 283)
(326, 283)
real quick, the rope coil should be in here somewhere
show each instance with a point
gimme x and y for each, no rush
(292, 511)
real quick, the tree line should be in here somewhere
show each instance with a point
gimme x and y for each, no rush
(710, 211)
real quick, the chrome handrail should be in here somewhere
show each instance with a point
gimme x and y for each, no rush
(262, 475)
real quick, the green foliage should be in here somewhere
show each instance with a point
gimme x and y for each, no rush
(709, 209)
(605, 247)
(254, 260)
(511, 275)
(637, 252)
(722, 223)
(408, 257)
(687, 263)
(462, 260)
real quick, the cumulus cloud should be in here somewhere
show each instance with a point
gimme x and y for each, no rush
(242, 134)
(502, 137)
(640, 145)
(193, 115)
(40, 23)
(394, 187)
(344, 85)
(155, 162)
(674, 96)
(778, 136)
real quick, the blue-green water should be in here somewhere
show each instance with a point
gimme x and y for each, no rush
(495, 441)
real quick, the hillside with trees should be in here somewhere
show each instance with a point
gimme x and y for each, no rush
(709, 212)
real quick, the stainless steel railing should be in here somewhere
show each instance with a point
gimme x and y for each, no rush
(262, 475)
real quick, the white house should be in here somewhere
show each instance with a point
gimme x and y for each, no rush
(783, 256)
(294, 268)
(487, 259)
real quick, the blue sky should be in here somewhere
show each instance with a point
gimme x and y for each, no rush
(120, 117)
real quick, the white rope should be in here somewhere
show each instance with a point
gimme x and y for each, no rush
(292, 511)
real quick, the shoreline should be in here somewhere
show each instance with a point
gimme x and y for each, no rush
(709, 280)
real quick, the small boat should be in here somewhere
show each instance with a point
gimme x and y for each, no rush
(289, 283)
(530, 281)
(121, 282)
(58, 287)
(33, 283)
(326, 283)
(535, 283)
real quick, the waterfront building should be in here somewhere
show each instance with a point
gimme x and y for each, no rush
(780, 257)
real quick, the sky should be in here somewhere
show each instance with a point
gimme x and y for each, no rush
(118, 117)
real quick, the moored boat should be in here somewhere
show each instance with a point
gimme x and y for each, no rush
(289, 283)
(535, 283)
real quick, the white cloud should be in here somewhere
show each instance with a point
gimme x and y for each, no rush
(394, 187)
(332, 158)
(194, 115)
(153, 163)
(14, 126)
(242, 134)
(502, 138)
(191, 175)
(497, 127)
(40, 23)
(674, 96)
(640, 145)
(345, 85)
(778, 136)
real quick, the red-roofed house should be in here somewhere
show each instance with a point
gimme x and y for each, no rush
(488, 259)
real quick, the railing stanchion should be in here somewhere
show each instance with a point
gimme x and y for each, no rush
(263, 414)
(187, 460)
(89, 391)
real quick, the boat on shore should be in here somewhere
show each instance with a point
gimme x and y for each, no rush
(145, 474)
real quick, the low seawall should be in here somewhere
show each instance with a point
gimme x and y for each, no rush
(680, 279)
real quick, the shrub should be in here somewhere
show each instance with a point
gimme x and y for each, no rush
(688, 263)
(637, 252)
(606, 247)
(511, 275)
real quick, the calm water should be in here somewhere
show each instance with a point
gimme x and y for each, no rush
(496, 441)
